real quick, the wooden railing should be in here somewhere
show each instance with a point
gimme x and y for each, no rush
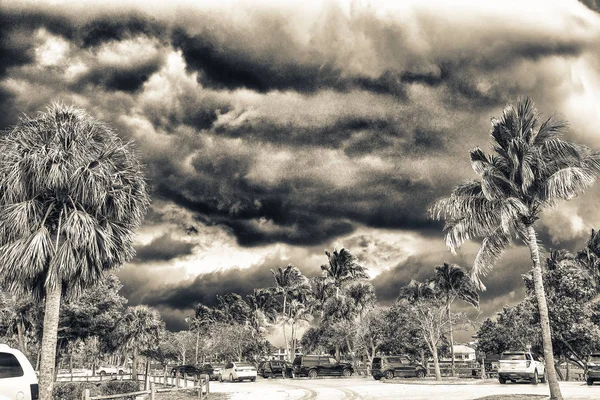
(202, 386)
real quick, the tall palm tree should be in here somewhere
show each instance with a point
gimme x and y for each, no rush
(289, 282)
(140, 331)
(298, 313)
(453, 282)
(342, 267)
(589, 257)
(362, 295)
(322, 289)
(71, 194)
(263, 309)
(416, 291)
(531, 168)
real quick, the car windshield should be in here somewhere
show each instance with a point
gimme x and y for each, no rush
(244, 365)
(513, 356)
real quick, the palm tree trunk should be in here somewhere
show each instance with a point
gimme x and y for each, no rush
(540, 295)
(197, 344)
(49, 336)
(21, 336)
(453, 370)
(287, 345)
(134, 369)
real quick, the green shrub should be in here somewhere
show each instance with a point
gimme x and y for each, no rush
(74, 390)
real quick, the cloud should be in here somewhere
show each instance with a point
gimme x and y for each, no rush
(163, 248)
(278, 129)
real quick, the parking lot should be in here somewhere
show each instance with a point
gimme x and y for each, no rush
(364, 388)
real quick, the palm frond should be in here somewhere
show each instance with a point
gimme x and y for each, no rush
(490, 250)
(567, 183)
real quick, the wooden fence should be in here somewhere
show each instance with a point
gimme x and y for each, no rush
(202, 386)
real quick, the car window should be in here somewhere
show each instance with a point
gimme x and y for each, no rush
(405, 361)
(332, 361)
(230, 365)
(9, 366)
(528, 356)
(512, 356)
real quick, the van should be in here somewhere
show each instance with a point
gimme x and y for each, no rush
(17, 377)
(313, 366)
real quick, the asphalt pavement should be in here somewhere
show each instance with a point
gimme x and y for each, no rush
(365, 388)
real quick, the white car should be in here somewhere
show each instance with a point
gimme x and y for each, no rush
(515, 365)
(237, 372)
(109, 370)
(17, 377)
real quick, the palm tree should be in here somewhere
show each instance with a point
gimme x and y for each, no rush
(263, 309)
(452, 281)
(298, 313)
(343, 267)
(290, 282)
(362, 295)
(140, 331)
(71, 195)
(416, 291)
(531, 168)
(322, 289)
(589, 257)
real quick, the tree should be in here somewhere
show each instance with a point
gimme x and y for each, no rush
(298, 314)
(184, 342)
(371, 332)
(452, 281)
(290, 282)
(263, 309)
(343, 267)
(139, 331)
(531, 169)
(71, 195)
(322, 289)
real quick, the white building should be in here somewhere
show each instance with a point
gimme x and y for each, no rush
(462, 353)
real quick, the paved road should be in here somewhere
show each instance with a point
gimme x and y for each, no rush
(362, 388)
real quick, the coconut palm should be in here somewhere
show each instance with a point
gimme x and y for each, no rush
(71, 195)
(290, 282)
(343, 267)
(139, 331)
(362, 295)
(416, 291)
(531, 168)
(453, 282)
(299, 313)
(263, 309)
(322, 289)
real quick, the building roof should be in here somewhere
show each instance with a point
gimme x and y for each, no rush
(461, 348)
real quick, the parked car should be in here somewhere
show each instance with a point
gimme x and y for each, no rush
(17, 377)
(206, 369)
(313, 366)
(110, 370)
(188, 370)
(592, 369)
(217, 368)
(274, 369)
(515, 365)
(392, 366)
(237, 372)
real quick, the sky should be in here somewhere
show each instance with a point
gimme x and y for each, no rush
(272, 131)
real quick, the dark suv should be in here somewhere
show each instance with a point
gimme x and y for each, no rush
(391, 366)
(184, 369)
(313, 366)
(274, 369)
(592, 369)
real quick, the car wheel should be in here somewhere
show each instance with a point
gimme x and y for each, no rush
(347, 372)
(501, 380)
(534, 380)
(121, 372)
(312, 374)
(420, 374)
(252, 379)
(590, 382)
(231, 377)
(389, 374)
(543, 379)
(221, 378)
(102, 373)
(377, 378)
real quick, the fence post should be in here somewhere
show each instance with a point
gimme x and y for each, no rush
(207, 384)
(86, 394)
(152, 390)
(177, 379)
(184, 379)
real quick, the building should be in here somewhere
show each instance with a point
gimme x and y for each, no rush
(281, 353)
(462, 353)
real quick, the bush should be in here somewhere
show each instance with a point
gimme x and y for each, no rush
(74, 390)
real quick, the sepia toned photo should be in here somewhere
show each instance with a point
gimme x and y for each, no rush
(285, 199)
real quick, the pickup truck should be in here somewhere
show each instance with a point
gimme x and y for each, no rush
(515, 365)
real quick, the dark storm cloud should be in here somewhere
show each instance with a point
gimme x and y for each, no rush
(504, 278)
(592, 4)
(205, 287)
(163, 248)
(119, 27)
